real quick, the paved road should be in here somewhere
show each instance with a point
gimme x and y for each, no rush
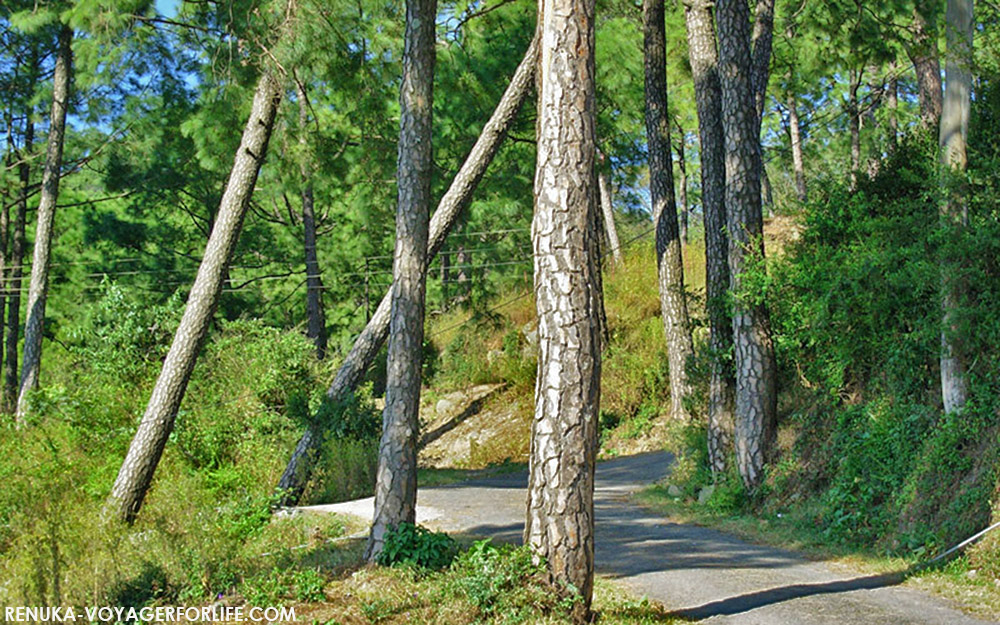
(694, 571)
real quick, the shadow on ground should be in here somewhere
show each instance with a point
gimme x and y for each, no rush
(753, 600)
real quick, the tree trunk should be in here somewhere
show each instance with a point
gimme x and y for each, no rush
(396, 484)
(595, 243)
(892, 103)
(708, 100)
(5, 272)
(316, 321)
(760, 63)
(457, 198)
(144, 453)
(682, 187)
(922, 50)
(673, 302)
(766, 192)
(609, 216)
(795, 134)
(560, 518)
(38, 289)
(955, 208)
(854, 121)
(14, 281)
(756, 397)
(760, 73)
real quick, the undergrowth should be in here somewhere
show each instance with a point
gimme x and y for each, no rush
(866, 458)
(206, 521)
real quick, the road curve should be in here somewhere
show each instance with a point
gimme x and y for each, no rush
(696, 572)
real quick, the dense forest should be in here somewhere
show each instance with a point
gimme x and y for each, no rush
(245, 245)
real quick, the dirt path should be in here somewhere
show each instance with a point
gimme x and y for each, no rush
(694, 571)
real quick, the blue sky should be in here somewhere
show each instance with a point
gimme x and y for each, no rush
(167, 8)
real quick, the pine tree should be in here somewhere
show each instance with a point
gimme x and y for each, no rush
(560, 518)
(756, 396)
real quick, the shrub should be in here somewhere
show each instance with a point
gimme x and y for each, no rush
(418, 546)
(501, 581)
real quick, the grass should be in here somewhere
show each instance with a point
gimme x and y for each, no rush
(797, 530)
(397, 596)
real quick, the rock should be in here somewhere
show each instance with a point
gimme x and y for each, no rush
(674, 490)
(972, 574)
(530, 332)
(705, 494)
(444, 406)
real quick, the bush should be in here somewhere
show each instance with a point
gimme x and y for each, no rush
(858, 324)
(206, 520)
(121, 336)
(414, 545)
(501, 581)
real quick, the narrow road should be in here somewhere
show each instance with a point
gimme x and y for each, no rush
(693, 571)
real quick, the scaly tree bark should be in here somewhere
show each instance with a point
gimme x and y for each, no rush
(955, 208)
(795, 138)
(756, 397)
(396, 481)
(923, 52)
(451, 205)
(14, 279)
(559, 526)
(315, 319)
(136, 473)
(682, 186)
(673, 302)
(607, 210)
(760, 68)
(38, 289)
(708, 101)
(760, 63)
(595, 247)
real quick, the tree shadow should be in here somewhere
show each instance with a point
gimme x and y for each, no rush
(472, 409)
(750, 601)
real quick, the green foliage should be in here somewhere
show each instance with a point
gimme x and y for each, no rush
(345, 471)
(858, 323)
(353, 417)
(207, 519)
(123, 336)
(271, 587)
(857, 304)
(348, 455)
(415, 545)
(503, 581)
(875, 447)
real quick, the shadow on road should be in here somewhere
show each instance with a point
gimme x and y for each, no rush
(750, 601)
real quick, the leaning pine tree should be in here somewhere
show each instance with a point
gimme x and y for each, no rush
(39, 285)
(453, 202)
(560, 518)
(136, 473)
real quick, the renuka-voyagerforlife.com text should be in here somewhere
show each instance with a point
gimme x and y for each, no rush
(159, 614)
